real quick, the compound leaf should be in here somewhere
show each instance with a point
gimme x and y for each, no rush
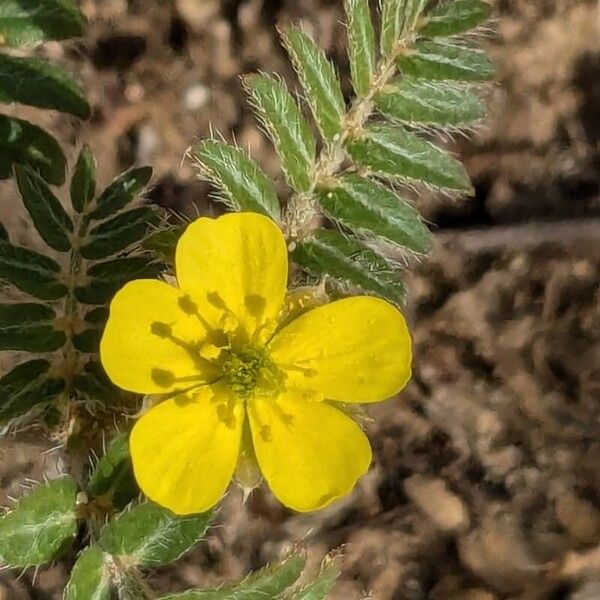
(24, 143)
(39, 525)
(113, 236)
(420, 102)
(445, 62)
(83, 181)
(31, 272)
(149, 535)
(335, 255)
(47, 213)
(452, 17)
(121, 192)
(361, 204)
(395, 152)
(361, 45)
(27, 385)
(38, 83)
(286, 126)
(94, 384)
(269, 582)
(90, 578)
(29, 327)
(28, 21)
(242, 185)
(319, 80)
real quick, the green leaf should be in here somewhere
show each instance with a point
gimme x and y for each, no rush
(26, 144)
(121, 192)
(40, 524)
(113, 236)
(39, 83)
(112, 478)
(265, 584)
(445, 62)
(362, 205)
(361, 45)
(3, 233)
(28, 21)
(286, 126)
(319, 588)
(47, 213)
(418, 102)
(29, 327)
(31, 272)
(149, 535)
(27, 385)
(319, 80)
(83, 182)
(90, 578)
(453, 17)
(398, 18)
(88, 340)
(242, 185)
(94, 384)
(105, 279)
(331, 253)
(164, 242)
(395, 152)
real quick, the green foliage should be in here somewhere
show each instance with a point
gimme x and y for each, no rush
(29, 327)
(437, 61)
(164, 242)
(286, 126)
(83, 182)
(121, 192)
(26, 144)
(90, 578)
(104, 279)
(328, 252)
(269, 582)
(112, 478)
(363, 205)
(318, 78)
(47, 213)
(118, 233)
(361, 45)
(27, 385)
(149, 535)
(415, 102)
(241, 183)
(40, 525)
(398, 153)
(28, 21)
(39, 83)
(31, 272)
(452, 17)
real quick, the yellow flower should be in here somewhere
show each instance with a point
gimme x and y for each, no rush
(214, 346)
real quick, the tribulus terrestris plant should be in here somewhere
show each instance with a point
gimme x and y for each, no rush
(228, 368)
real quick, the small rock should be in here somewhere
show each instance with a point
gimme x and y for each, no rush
(580, 518)
(447, 511)
(196, 97)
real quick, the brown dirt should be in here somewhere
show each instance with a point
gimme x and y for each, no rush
(487, 479)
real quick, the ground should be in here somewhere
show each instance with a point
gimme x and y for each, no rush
(486, 480)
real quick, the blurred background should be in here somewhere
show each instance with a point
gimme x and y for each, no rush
(487, 471)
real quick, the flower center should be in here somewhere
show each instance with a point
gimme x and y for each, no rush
(248, 370)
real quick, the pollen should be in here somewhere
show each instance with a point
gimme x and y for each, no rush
(248, 371)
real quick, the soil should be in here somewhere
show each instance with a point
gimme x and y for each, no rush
(486, 484)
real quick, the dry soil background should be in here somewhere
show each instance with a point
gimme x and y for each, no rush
(487, 476)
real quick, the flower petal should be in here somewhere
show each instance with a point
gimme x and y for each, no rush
(149, 344)
(352, 350)
(309, 452)
(184, 451)
(235, 268)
